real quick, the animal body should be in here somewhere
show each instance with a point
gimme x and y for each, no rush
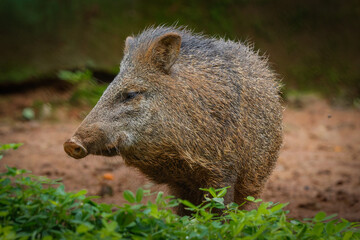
(191, 112)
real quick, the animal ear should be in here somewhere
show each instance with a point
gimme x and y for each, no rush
(129, 40)
(164, 51)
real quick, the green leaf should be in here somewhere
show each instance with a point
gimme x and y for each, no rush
(129, 196)
(111, 226)
(212, 192)
(60, 190)
(218, 200)
(330, 217)
(341, 226)
(319, 216)
(330, 227)
(154, 210)
(124, 219)
(105, 207)
(84, 228)
(302, 232)
(222, 193)
(159, 198)
(139, 195)
(277, 207)
(10, 146)
(80, 193)
(258, 232)
(250, 198)
(318, 228)
(188, 204)
(347, 235)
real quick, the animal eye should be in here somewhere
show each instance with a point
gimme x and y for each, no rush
(130, 95)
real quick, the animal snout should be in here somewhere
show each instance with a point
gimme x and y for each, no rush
(75, 149)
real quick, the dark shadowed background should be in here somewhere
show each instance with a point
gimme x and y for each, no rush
(314, 45)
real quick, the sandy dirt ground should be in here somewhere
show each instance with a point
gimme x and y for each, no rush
(318, 168)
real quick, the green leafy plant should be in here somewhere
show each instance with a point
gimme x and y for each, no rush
(87, 89)
(35, 207)
(8, 146)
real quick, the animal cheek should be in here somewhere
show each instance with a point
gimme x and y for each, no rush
(126, 139)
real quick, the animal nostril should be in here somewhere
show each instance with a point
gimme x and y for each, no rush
(77, 149)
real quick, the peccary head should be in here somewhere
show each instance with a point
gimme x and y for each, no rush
(128, 115)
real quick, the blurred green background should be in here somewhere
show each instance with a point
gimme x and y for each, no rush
(313, 45)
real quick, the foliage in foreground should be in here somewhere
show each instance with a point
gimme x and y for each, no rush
(34, 207)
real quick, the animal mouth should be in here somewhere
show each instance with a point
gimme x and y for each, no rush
(108, 151)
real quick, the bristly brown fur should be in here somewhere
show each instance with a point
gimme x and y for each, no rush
(207, 113)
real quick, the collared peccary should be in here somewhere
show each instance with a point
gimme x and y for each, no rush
(189, 111)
